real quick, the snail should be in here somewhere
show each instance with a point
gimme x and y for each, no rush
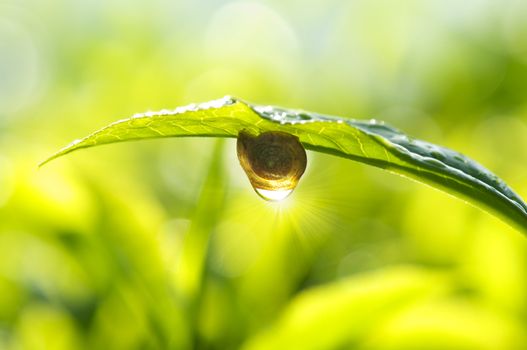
(274, 161)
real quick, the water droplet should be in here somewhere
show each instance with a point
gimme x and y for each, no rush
(273, 195)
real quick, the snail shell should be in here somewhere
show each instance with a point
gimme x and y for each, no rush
(273, 160)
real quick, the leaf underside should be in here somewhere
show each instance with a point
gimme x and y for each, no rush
(368, 141)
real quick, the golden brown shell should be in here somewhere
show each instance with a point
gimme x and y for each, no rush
(273, 160)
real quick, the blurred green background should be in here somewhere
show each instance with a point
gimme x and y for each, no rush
(164, 244)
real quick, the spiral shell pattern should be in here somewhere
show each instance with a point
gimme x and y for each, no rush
(273, 160)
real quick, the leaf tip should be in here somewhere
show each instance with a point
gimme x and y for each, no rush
(67, 149)
(47, 160)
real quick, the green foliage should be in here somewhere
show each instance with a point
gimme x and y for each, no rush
(371, 142)
(162, 244)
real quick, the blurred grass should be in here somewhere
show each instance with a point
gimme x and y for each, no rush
(91, 247)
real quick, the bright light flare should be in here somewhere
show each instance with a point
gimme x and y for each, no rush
(273, 195)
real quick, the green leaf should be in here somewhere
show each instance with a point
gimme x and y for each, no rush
(369, 141)
(344, 314)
